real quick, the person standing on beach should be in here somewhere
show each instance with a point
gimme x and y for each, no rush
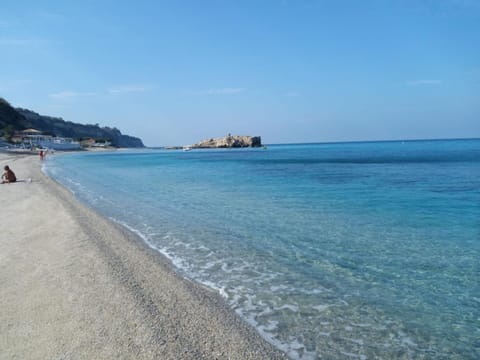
(41, 155)
(8, 176)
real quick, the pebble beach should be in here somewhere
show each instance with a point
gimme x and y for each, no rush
(77, 286)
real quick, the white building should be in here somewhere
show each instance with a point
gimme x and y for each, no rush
(34, 138)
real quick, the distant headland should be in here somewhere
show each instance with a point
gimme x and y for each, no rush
(15, 120)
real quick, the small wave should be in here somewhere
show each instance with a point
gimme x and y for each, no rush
(321, 308)
(293, 308)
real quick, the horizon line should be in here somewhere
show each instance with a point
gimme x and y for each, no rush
(346, 141)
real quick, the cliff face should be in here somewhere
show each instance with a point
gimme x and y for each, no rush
(20, 119)
(60, 127)
(230, 142)
(10, 118)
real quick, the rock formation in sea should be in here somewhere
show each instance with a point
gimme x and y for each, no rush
(229, 141)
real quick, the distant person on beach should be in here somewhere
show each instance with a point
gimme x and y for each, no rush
(41, 155)
(8, 176)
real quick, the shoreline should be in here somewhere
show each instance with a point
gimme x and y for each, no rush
(77, 285)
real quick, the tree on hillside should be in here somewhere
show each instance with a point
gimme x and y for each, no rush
(5, 102)
(8, 132)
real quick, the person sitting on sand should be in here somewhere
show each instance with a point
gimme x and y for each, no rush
(8, 176)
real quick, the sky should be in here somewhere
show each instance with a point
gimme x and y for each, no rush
(176, 72)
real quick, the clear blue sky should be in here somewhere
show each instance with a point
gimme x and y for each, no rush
(175, 72)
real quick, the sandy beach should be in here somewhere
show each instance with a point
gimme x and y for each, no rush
(74, 285)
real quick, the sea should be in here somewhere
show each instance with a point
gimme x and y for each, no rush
(362, 250)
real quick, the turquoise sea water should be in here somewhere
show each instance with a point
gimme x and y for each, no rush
(335, 251)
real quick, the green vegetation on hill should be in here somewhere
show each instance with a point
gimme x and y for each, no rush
(15, 119)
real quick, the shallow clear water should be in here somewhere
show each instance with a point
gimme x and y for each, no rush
(337, 251)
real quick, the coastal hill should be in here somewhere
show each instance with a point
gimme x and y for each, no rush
(15, 119)
(229, 141)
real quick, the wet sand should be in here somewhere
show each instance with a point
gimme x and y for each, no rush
(74, 285)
